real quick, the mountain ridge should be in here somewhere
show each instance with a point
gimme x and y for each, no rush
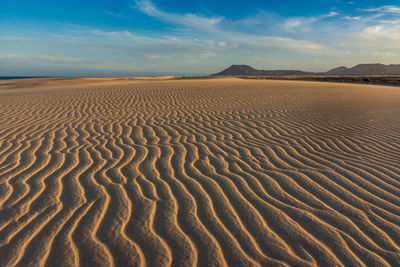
(358, 70)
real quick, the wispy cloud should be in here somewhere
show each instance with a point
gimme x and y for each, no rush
(232, 38)
(385, 9)
(379, 32)
(303, 23)
(43, 58)
(114, 14)
(191, 20)
(352, 18)
(385, 36)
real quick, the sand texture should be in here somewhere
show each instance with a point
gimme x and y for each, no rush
(219, 172)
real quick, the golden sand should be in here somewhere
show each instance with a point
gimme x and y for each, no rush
(198, 172)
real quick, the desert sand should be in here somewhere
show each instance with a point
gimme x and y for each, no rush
(219, 172)
(38, 83)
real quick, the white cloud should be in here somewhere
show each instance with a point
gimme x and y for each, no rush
(154, 56)
(43, 58)
(303, 23)
(385, 9)
(271, 43)
(389, 21)
(352, 18)
(384, 35)
(113, 14)
(207, 26)
(330, 14)
(383, 54)
(191, 20)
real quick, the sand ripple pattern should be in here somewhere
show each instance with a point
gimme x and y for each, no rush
(201, 173)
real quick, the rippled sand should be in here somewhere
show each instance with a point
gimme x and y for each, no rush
(199, 172)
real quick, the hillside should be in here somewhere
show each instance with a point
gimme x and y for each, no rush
(359, 70)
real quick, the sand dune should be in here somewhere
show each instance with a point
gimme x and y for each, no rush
(200, 172)
(39, 83)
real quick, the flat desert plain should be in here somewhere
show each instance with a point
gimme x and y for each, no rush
(213, 172)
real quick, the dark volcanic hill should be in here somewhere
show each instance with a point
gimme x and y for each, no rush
(337, 71)
(374, 69)
(245, 70)
(239, 70)
(359, 70)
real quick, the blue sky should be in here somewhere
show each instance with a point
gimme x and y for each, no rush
(159, 37)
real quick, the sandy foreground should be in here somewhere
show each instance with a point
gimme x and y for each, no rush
(198, 172)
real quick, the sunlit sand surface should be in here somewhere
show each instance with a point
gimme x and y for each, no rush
(121, 172)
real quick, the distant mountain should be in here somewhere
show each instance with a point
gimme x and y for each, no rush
(373, 69)
(245, 70)
(359, 70)
(239, 70)
(337, 71)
